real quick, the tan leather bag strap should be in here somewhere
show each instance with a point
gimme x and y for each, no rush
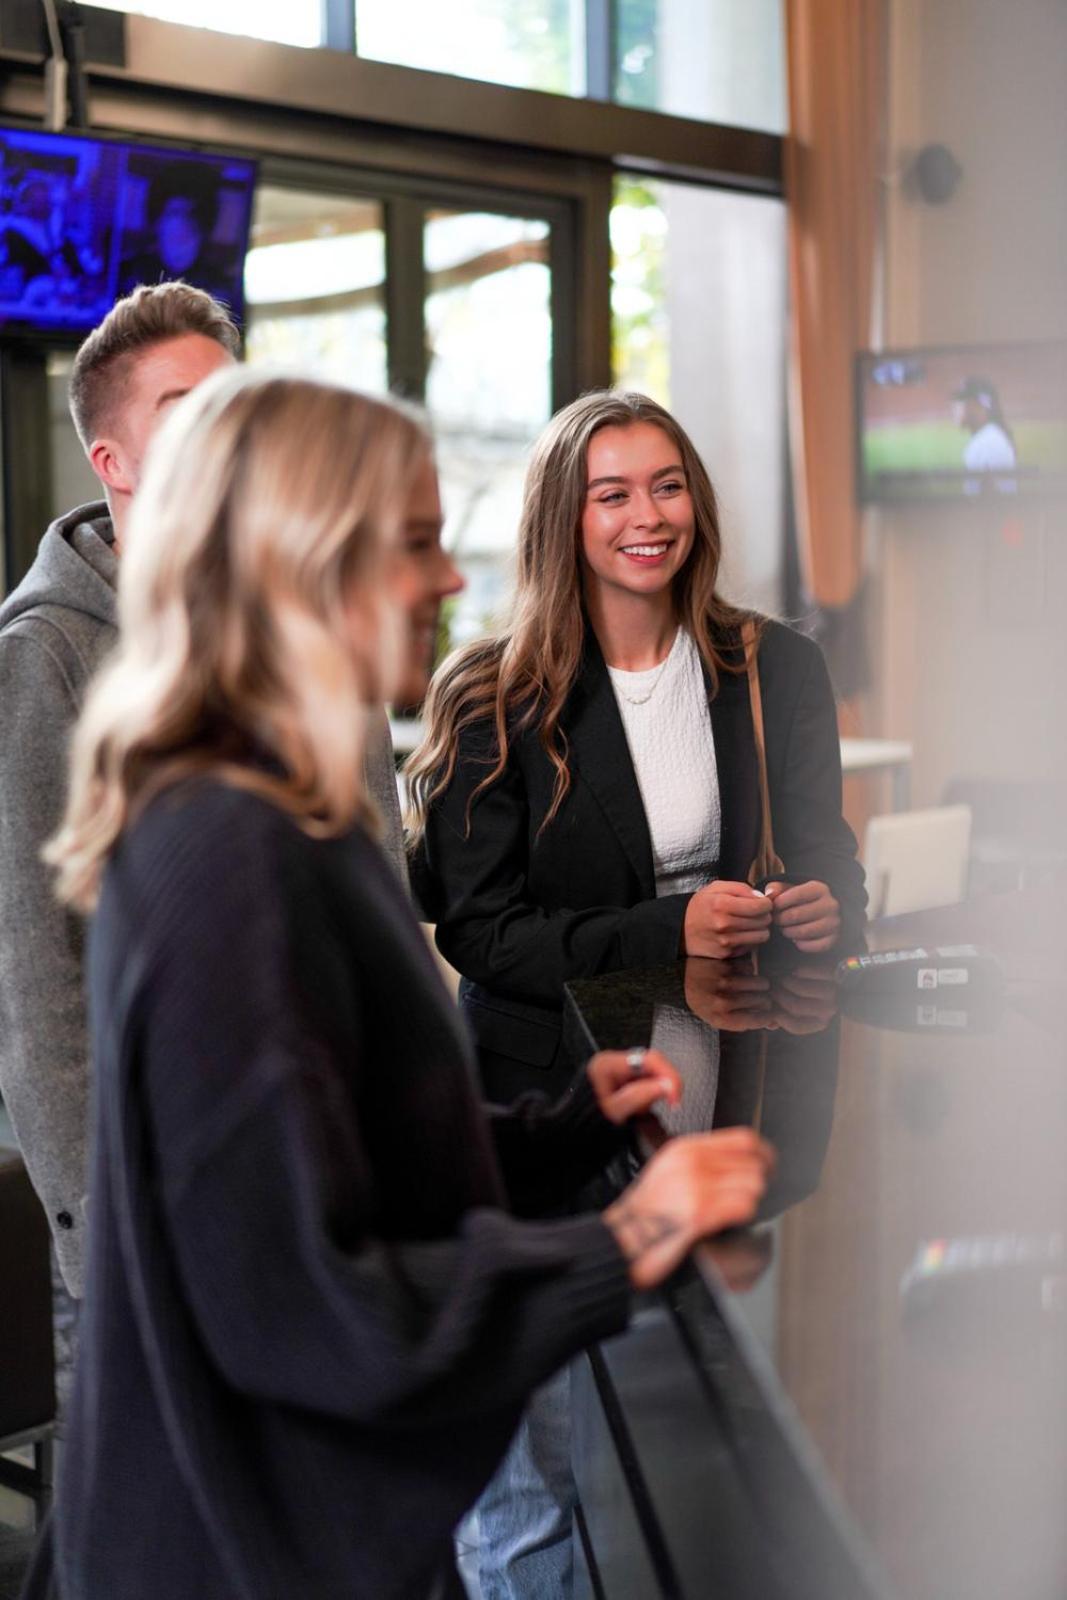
(767, 864)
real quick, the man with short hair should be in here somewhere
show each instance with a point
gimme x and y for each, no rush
(55, 628)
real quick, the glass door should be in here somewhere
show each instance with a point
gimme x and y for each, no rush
(315, 285)
(488, 331)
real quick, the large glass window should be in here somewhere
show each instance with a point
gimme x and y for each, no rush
(488, 389)
(284, 21)
(73, 481)
(315, 285)
(715, 60)
(529, 44)
(698, 307)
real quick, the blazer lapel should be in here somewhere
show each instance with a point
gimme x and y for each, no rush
(600, 753)
(735, 760)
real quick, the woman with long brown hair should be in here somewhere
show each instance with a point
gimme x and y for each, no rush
(310, 1321)
(587, 799)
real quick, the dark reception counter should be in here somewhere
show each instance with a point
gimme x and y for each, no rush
(865, 1394)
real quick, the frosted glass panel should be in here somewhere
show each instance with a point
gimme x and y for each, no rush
(715, 60)
(698, 313)
(529, 44)
(314, 284)
(489, 389)
(283, 21)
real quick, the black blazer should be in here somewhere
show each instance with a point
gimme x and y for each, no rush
(519, 912)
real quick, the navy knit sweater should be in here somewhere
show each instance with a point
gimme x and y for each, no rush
(310, 1322)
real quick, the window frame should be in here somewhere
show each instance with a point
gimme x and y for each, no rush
(171, 58)
(325, 118)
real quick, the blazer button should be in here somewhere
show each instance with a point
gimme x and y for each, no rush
(64, 1219)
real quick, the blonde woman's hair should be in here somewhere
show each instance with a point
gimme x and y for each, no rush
(261, 525)
(524, 674)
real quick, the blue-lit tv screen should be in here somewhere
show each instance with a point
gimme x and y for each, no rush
(84, 220)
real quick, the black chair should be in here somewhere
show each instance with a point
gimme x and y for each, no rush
(27, 1362)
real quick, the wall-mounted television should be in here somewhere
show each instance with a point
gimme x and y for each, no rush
(968, 422)
(84, 220)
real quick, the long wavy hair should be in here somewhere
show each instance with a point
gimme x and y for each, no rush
(525, 673)
(253, 622)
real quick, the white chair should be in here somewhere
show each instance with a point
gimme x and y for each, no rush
(917, 859)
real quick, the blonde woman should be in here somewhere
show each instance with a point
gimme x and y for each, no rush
(310, 1321)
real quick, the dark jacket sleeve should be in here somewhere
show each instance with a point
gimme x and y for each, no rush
(549, 1152)
(811, 834)
(303, 1292)
(475, 886)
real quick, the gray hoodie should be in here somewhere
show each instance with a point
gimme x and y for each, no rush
(55, 629)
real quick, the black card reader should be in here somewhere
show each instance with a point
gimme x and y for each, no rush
(949, 970)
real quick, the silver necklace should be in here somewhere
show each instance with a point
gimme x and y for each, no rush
(643, 699)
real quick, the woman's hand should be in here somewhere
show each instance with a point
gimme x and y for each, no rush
(725, 919)
(806, 999)
(734, 1002)
(742, 1258)
(626, 1086)
(807, 914)
(693, 1186)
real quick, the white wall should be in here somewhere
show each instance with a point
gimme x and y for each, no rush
(726, 270)
(971, 612)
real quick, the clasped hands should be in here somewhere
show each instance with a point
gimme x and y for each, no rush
(726, 919)
(803, 999)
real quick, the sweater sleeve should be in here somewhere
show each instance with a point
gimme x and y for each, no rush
(376, 1330)
(255, 1038)
(44, 1071)
(549, 1151)
(474, 884)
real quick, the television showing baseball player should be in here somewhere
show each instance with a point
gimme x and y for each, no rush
(968, 422)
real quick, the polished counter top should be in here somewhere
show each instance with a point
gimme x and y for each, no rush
(900, 1306)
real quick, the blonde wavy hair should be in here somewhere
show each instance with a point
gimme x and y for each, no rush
(252, 620)
(525, 673)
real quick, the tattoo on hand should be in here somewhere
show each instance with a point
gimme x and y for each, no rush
(638, 1232)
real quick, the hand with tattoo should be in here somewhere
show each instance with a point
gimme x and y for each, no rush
(693, 1186)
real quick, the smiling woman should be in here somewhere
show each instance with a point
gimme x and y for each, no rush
(275, 1314)
(586, 797)
(422, 577)
(637, 525)
(586, 800)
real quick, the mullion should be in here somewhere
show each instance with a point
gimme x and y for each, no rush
(405, 296)
(600, 49)
(339, 24)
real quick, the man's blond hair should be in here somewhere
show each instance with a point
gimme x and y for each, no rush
(149, 316)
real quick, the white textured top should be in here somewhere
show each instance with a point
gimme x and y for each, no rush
(694, 1049)
(668, 729)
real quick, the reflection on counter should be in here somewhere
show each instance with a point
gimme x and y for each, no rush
(754, 1049)
(874, 1377)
